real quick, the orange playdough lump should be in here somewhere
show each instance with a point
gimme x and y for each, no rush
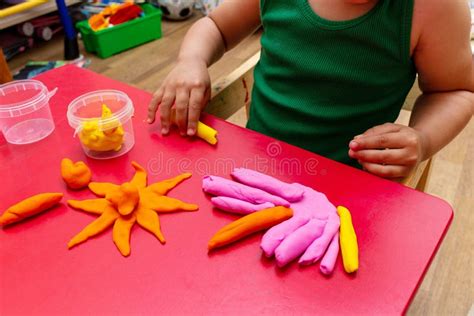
(29, 207)
(75, 175)
(125, 198)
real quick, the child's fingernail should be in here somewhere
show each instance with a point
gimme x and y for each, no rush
(353, 145)
(164, 131)
(191, 132)
(355, 137)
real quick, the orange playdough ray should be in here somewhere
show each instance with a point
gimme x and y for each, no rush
(121, 233)
(140, 177)
(163, 187)
(103, 222)
(149, 221)
(93, 206)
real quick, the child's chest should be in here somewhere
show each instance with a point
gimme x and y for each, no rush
(343, 10)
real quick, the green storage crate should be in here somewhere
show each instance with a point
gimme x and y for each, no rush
(118, 38)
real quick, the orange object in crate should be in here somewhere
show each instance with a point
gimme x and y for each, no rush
(98, 22)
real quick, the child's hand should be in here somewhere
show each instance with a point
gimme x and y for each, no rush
(187, 87)
(388, 150)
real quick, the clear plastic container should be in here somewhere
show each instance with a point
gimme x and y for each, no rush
(25, 116)
(102, 121)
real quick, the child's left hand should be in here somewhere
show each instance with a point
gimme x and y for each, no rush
(388, 150)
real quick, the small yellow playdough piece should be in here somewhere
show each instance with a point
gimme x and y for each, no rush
(207, 133)
(75, 175)
(29, 207)
(203, 131)
(123, 205)
(348, 241)
(102, 136)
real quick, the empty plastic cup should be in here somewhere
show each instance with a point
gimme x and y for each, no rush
(25, 116)
(102, 121)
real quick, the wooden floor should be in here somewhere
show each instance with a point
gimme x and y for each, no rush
(448, 288)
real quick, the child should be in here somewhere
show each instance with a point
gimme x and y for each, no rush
(333, 74)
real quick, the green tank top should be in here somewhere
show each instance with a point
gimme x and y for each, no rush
(319, 83)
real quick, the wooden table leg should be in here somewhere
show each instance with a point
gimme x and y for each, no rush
(5, 75)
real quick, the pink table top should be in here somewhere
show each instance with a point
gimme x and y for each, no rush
(399, 229)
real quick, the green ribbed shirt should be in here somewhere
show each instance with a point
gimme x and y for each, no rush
(319, 83)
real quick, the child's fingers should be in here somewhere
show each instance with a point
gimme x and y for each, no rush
(386, 171)
(382, 141)
(380, 156)
(194, 112)
(379, 129)
(165, 110)
(181, 105)
(153, 106)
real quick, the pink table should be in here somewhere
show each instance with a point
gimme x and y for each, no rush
(399, 229)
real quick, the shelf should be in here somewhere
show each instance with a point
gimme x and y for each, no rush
(24, 16)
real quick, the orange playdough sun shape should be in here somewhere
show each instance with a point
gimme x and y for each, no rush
(123, 205)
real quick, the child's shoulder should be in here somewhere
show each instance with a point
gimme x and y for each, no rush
(430, 11)
(432, 16)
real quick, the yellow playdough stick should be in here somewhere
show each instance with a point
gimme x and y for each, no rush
(348, 240)
(93, 206)
(163, 187)
(207, 133)
(203, 131)
(99, 225)
(29, 207)
(121, 234)
(149, 220)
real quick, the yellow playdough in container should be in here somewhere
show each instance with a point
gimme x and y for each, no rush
(102, 121)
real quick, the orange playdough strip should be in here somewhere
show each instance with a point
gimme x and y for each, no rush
(102, 188)
(29, 207)
(121, 234)
(99, 225)
(249, 224)
(165, 186)
(75, 175)
(165, 204)
(149, 221)
(140, 177)
(93, 206)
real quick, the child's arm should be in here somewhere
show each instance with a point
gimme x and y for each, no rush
(444, 62)
(188, 85)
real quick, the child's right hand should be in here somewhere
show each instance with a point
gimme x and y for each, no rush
(187, 88)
